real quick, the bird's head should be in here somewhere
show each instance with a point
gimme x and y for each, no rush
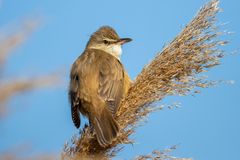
(106, 39)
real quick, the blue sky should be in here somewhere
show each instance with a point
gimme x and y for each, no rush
(205, 127)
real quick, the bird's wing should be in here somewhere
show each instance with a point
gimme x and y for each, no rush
(111, 81)
(73, 95)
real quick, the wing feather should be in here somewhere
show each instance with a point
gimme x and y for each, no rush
(111, 81)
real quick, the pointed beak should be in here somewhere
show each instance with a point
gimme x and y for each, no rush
(124, 40)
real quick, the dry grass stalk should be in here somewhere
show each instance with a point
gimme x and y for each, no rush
(174, 71)
(161, 155)
(10, 42)
(13, 87)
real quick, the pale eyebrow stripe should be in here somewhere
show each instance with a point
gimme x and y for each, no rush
(109, 40)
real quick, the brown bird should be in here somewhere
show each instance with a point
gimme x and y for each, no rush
(98, 83)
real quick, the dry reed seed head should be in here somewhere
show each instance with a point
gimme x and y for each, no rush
(10, 42)
(12, 87)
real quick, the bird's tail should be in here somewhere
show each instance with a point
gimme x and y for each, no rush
(106, 127)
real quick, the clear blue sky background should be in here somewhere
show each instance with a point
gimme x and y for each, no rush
(205, 127)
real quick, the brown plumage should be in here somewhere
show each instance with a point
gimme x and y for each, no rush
(98, 82)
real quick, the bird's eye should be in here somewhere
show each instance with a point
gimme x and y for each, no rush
(76, 78)
(105, 42)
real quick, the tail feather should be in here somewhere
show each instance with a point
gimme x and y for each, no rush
(75, 116)
(106, 128)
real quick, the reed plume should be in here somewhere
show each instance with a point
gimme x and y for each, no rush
(12, 86)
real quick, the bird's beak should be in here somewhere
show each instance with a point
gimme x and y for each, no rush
(124, 40)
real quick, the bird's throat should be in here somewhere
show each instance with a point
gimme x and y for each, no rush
(116, 50)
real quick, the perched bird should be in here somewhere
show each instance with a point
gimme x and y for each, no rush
(98, 83)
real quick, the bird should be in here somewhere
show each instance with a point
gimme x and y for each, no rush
(98, 83)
